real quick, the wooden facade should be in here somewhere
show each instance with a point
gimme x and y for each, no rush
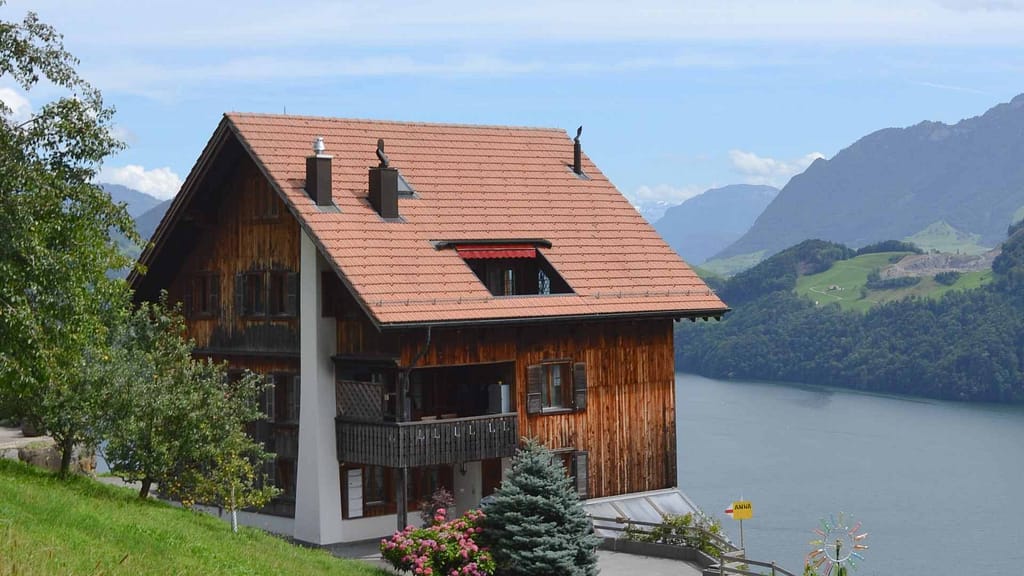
(237, 285)
(628, 425)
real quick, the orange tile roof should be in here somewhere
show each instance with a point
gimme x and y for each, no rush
(472, 183)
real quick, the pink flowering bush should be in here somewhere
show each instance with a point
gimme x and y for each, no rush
(441, 549)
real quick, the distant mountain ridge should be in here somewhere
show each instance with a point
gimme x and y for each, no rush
(707, 223)
(897, 182)
(137, 202)
(146, 223)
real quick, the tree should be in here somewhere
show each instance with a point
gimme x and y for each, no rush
(180, 422)
(57, 303)
(536, 524)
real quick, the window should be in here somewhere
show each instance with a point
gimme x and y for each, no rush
(556, 386)
(552, 389)
(512, 269)
(286, 478)
(575, 463)
(267, 398)
(250, 294)
(267, 293)
(375, 488)
(202, 298)
(283, 293)
(280, 400)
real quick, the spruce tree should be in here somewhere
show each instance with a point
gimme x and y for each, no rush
(536, 524)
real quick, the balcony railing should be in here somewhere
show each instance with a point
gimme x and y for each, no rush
(427, 443)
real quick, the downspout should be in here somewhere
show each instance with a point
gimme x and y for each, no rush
(403, 416)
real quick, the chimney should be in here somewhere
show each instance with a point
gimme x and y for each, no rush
(577, 153)
(384, 185)
(318, 174)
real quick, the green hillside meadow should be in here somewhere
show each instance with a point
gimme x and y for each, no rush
(80, 526)
(843, 283)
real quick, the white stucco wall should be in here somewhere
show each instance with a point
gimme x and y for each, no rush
(318, 488)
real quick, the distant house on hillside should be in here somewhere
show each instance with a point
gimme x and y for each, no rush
(422, 296)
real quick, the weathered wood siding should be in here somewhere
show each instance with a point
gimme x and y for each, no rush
(250, 231)
(628, 426)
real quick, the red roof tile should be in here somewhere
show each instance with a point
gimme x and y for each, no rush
(472, 183)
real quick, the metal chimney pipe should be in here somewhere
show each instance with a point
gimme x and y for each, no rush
(577, 153)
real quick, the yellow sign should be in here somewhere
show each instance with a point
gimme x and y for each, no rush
(742, 510)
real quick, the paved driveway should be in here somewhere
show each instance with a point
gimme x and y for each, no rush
(610, 563)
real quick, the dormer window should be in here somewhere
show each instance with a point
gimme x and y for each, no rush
(512, 269)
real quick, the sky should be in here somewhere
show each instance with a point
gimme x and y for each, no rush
(675, 97)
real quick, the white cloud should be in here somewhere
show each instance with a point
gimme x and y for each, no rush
(21, 108)
(763, 170)
(161, 183)
(663, 193)
(652, 201)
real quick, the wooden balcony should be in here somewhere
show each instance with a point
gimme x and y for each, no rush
(427, 443)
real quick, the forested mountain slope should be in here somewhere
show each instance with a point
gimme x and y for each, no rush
(966, 345)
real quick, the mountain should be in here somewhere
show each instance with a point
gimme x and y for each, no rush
(965, 179)
(137, 202)
(957, 339)
(147, 222)
(707, 223)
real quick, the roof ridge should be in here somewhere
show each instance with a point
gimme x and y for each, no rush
(236, 114)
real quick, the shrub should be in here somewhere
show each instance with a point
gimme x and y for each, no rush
(947, 278)
(686, 530)
(440, 501)
(441, 549)
(536, 524)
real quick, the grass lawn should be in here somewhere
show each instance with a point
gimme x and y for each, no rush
(843, 282)
(80, 526)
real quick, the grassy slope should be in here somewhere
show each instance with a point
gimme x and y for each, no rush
(851, 275)
(48, 526)
(731, 266)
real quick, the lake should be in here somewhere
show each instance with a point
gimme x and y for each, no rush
(937, 485)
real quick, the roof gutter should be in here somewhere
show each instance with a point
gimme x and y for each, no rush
(706, 314)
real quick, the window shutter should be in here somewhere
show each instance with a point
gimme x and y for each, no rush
(579, 385)
(292, 300)
(580, 472)
(215, 294)
(534, 385)
(239, 295)
(186, 304)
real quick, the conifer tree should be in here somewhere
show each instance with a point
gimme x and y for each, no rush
(536, 524)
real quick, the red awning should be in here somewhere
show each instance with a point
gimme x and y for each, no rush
(477, 251)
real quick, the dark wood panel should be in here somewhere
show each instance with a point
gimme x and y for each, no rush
(248, 230)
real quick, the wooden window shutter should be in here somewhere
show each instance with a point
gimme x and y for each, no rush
(534, 386)
(579, 385)
(292, 300)
(186, 303)
(268, 398)
(580, 471)
(214, 280)
(240, 295)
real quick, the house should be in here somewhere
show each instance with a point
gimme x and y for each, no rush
(422, 296)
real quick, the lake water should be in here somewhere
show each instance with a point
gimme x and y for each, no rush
(938, 486)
